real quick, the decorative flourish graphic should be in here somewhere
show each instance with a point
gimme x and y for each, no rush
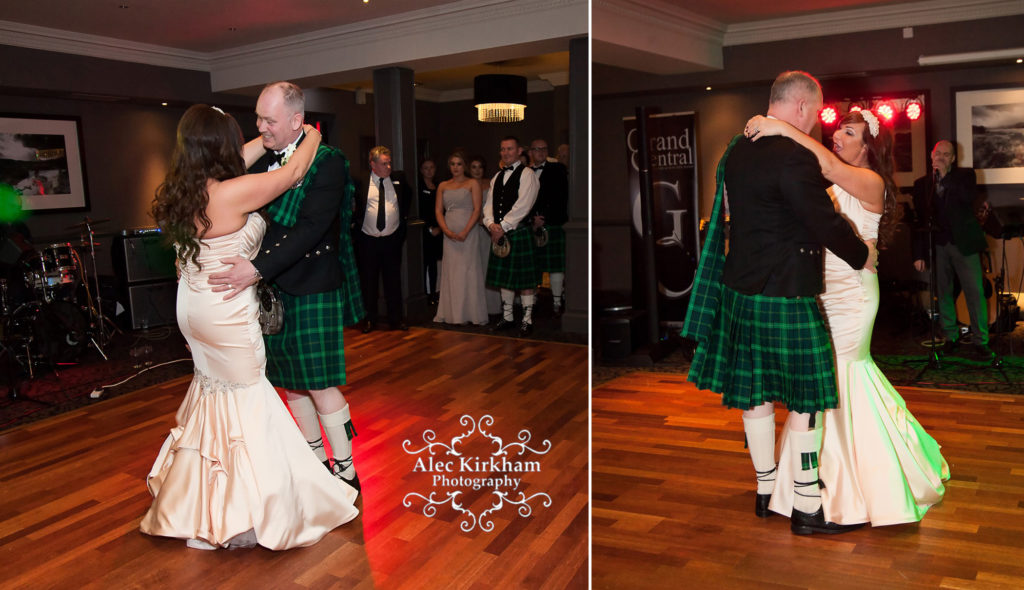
(430, 435)
(496, 471)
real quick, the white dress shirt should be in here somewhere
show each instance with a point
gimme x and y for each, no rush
(528, 187)
(391, 216)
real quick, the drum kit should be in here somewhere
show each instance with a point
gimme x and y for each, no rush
(54, 314)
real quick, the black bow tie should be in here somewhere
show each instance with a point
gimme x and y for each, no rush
(276, 157)
(541, 167)
(507, 168)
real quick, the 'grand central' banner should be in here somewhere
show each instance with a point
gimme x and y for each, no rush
(673, 153)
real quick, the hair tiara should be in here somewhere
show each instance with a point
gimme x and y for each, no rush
(869, 118)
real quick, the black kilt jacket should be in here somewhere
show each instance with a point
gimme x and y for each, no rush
(303, 259)
(553, 196)
(781, 219)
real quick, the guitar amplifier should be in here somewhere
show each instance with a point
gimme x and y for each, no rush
(142, 255)
(146, 278)
(1010, 220)
(152, 304)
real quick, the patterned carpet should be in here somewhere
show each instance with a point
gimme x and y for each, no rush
(138, 359)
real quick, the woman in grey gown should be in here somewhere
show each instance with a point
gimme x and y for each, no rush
(458, 207)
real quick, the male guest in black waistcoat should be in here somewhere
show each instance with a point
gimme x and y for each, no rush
(380, 234)
(513, 193)
(551, 211)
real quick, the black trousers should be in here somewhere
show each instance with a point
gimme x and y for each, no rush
(380, 261)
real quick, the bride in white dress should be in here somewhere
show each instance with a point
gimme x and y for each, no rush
(877, 463)
(235, 470)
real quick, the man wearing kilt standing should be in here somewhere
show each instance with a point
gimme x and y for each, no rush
(513, 193)
(551, 211)
(307, 253)
(760, 335)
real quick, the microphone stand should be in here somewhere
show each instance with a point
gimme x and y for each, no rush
(935, 352)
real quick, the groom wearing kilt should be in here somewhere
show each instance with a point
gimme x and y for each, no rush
(760, 335)
(513, 193)
(307, 254)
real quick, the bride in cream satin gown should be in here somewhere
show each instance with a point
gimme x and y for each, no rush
(235, 465)
(877, 463)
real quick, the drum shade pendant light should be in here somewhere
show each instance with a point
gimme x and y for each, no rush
(499, 98)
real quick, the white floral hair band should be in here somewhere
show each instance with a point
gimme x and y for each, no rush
(872, 122)
(218, 110)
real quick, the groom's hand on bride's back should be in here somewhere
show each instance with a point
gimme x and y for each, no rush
(239, 275)
(872, 262)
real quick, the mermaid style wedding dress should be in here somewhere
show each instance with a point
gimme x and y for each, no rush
(235, 465)
(877, 463)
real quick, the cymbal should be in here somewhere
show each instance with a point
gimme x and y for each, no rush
(87, 222)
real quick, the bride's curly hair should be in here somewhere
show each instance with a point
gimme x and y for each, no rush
(209, 146)
(880, 160)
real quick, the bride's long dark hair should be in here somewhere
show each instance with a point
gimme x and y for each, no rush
(881, 161)
(209, 146)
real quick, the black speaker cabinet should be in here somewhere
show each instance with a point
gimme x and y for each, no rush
(142, 255)
(152, 304)
(621, 333)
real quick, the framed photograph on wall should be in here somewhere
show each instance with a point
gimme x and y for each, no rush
(990, 131)
(42, 158)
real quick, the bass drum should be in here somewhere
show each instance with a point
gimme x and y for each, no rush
(55, 331)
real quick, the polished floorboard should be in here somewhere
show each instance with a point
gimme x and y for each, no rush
(673, 499)
(73, 486)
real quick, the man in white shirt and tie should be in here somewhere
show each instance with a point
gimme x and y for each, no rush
(380, 234)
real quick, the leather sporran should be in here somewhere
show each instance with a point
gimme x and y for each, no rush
(271, 308)
(502, 247)
(540, 236)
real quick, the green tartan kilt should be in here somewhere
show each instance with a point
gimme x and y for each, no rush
(309, 352)
(352, 292)
(551, 256)
(767, 349)
(518, 270)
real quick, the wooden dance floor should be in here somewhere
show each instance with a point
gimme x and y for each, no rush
(673, 500)
(73, 486)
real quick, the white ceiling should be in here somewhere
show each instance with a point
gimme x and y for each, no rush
(684, 36)
(244, 43)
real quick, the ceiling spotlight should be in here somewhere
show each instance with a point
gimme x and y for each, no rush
(829, 115)
(913, 110)
(886, 111)
(499, 98)
(707, 88)
(855, 107)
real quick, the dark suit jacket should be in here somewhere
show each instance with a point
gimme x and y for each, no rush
(402, 190)
(303, 259)
(960, 185)
(781, 219)
(553, 196)
(433, 246)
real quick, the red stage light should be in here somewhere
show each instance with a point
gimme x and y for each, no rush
(855, 108)
(886, 111)
(913, 110)
(829, 115)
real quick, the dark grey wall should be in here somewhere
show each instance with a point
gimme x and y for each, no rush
(872, 63)
(128, 136)
(457, 126)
